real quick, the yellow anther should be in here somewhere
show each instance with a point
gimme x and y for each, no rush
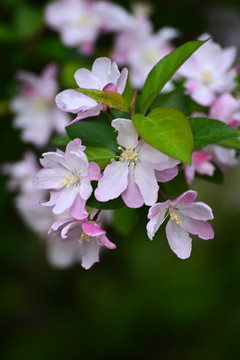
(128, 155)
(207, 77)
(68, 180)
(84, 237)
(174, 216)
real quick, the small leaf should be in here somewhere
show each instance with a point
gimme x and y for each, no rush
(124, 220)
(208, 131)
(101, 155)
(94, 133)
(168, 130)
(109, 98)
(163, 71)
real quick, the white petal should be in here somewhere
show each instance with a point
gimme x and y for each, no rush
(179, 240)
(146, 180)
(90, 253)
(127, 133)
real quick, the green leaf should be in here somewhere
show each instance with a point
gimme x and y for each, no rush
(60, 140)
(163, 71)
(101, 155)
(94, 133)
(124, 220)
(230, 143)
(208, 131)
(109, 98)
(168, 130)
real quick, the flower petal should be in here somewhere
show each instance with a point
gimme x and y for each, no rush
(121, 82)
(127, 133)
(94, 171)
(90, 253)
(101, 69)
(86, 79)
(113, 182)
(106, 242)
(146, 180)
(167, 174)
(179, 240)
(49, 178)
(92, 229)
(93, 111)
(157, 215)
(197, 227)
(78, 208)
(197, 211)
(74, 101)
(185, 198)
(132, 196)
(65, 199)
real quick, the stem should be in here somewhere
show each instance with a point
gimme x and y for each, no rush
(96, 216)
(162, 194)
(110, 113)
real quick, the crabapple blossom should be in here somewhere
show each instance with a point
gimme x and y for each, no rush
(185, 217)
(135, 174)
(227, 109)
(209, 71)
(199, 164)
(68, 175)
(88, 234)
(36, 112)
(105, 76)
(77, 21)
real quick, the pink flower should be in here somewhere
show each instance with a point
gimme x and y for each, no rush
(209, 72)
(140, 50)
(104, 76)
(77, 21)
(36, 112)
(200, 164)
(89, 235)
(185, 217)
(227, 109)
(68, 175)
(138, 169)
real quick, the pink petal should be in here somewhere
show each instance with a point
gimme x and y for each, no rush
(90, 253)
(94, 171)
(113, 182)
(197, 211)
(197, 227)
(74, 101)
(147, 183)
(92, 229)
(179, 240)
(132, 196)
(157, 215)
(78, 208)
(121, 83)
(65, 199)
(108, 244)
(166, 175)
(85, 189)
(86, 79)
(186, 197)
(93, 111)
(74, 146)
(127, 133)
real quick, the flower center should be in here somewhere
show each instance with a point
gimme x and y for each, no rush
(128, 155)
(174, 216)
(207, 77)
(68, 180)
(84, 237)
(150, 56)
(83, 20)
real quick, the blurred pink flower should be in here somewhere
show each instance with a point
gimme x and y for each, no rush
(227, 109)
(87, 233)
(36, 112)
(69, 175)
(185, 217)
(136, 173)
(209, 71)
(140, 50)
(77, 21)
(104, 76)
(199, 164)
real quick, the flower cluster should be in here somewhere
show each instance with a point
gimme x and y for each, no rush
(123, 147)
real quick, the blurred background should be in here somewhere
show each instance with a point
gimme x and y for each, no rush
(140, 301)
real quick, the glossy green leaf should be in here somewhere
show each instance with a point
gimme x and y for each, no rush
(101, 155)
(168, 130)
(209, 131)
(109, 98)
(60, 140)
(163, 71)
(94, 133)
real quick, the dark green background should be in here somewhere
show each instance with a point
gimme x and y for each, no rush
(141, 301)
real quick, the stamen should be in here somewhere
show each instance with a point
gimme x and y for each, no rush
(174, 216)
(68, 180)
(207, 77)
(129, 155)
(84, 237)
